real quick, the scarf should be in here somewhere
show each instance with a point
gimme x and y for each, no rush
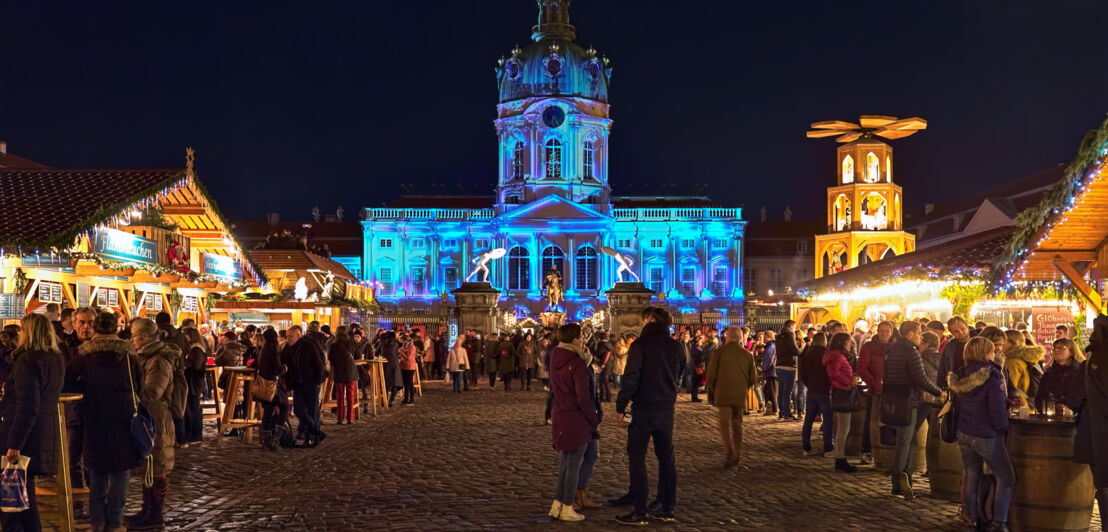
(583, 353)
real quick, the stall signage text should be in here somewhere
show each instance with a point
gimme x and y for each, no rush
(120, 245)
(221, 266)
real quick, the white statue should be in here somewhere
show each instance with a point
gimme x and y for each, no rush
(625, 263)
(300, 291)
(482, 260)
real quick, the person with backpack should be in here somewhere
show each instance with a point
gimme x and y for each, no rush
(196, 365)
(982, 407)
(275, 413)
(303, 355)
(1021, 363)
(159, 361)
(102, 375)
(903, 380)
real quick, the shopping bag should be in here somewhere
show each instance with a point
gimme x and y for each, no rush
(13, 484)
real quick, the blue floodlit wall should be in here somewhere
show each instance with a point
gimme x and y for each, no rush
(693, 257)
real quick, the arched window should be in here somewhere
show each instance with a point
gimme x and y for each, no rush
(519, 269)
(586, 268)
(588, 160)
(848, 169)
(875, 216)
(888, 169)
(873, 168)
(517, 160)
(553, 159)
(553, 258)
(842, 213)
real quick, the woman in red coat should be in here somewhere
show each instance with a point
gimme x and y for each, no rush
(842, 379)
(574, 416)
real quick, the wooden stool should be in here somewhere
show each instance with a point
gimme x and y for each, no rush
(212, 375)
(239, 376)
(62, 489)
(417, 384)
(380, 396)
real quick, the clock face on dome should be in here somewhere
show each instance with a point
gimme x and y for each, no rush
(553, 116)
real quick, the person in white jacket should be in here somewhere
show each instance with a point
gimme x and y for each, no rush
(457, 362)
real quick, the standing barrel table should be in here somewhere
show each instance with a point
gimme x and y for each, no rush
(1052, 492)
(944, 464)
(857, 428)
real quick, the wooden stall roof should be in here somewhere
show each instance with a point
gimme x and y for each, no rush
(284, 267)
(1069, 225)
(976, 251)
(47, 208)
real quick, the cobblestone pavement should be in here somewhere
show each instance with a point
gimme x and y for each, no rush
(483, 460)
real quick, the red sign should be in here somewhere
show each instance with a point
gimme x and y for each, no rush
(1045, 320)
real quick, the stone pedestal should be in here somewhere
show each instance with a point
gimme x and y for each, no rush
(475, 307)
(625, 303)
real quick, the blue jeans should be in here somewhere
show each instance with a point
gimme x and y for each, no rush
(992, 451)
(569, 469)
(457, 376)
(592, 452)
(818, 405)
(305, 404)
(801, 398)
(107, 493)
(786, 380)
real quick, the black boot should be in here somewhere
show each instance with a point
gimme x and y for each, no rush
(154, 519)
(842, 465)
(147, 496)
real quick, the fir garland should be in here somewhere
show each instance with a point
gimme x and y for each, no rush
(1032, 222)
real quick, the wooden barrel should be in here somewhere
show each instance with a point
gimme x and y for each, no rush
(1052, 492)
(854, 439)
(883, 454)
(944, 464)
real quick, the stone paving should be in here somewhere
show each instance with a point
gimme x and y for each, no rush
(483, 459)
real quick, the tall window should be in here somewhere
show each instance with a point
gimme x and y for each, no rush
(588, 159)
(384, 275)
(720, 275)
(519, 269)
(688, 281)
(848, 169)
(553, 159)
(553, 257)
(419, 278)
(776, 280)
(888, 169)
(873, 168)
(450, 276)
(751, 280)
(517, 160)
(655, 278)
(586, 268)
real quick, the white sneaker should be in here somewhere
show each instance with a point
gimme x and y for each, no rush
(555, 509)
(867, 458)
(569, 514)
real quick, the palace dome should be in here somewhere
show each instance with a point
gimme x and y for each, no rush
(553, 65)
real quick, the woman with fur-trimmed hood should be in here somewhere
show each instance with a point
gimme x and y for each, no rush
(1021, 364)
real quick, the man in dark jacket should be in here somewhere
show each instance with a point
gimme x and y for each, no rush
(903, 381)
(787, 354)
(813, 374)
(1089, 399)
(951, 360)
(303, 356)
(170, 334)
(655, 362)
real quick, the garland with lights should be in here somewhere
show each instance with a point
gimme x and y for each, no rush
(1040, 219)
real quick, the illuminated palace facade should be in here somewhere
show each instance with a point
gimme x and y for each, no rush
(553, 207)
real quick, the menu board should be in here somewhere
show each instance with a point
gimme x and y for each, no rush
(11, 306)
(1045, 320)
(83, 295)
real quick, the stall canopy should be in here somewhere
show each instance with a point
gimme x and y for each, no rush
(46, 210)
(286, 267)
(1064, 236)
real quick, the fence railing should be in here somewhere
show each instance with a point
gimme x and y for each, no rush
(427, 214)
(678, 213)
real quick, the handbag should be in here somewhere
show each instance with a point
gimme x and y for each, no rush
(948, 421)
(13, 484)
(846, 400)
(263, 389)
(896, 407)
(142, 423)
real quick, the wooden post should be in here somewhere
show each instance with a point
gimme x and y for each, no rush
(63, 481)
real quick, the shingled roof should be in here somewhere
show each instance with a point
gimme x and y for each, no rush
(976, 251)
(48, 208)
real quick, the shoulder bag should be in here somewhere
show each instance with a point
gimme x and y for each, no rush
(948, 421)
(846, 400)
(263, 389)
(142, 423)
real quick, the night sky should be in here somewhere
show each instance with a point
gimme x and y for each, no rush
(296, 104)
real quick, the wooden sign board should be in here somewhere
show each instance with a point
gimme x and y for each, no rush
(1045, 320)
